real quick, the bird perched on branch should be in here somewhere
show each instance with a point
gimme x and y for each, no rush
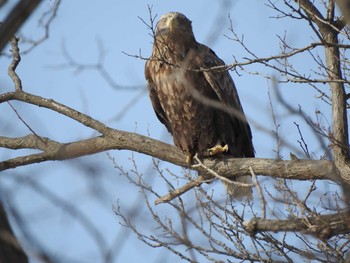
(194, 96)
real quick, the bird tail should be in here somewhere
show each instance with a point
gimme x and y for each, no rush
(239, 192)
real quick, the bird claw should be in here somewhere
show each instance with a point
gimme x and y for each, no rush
(189, 159)
(217, 149)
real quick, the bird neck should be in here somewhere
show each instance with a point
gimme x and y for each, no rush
(175, 46)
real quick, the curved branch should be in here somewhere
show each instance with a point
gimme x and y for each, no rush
(55, 106)
(16, 58)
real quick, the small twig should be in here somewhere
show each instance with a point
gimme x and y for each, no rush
(173, 194)
(311, 189)
(277, 126)
(23, 121)
(98, 66)
(212, 172)
(262, 198)
(45, 22)
(302, 143)
(16, 58)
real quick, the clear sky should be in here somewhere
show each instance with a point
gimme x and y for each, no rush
(89, 30)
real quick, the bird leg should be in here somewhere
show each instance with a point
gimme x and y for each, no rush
(217, 149)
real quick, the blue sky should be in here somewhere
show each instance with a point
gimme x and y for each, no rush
(81, 28)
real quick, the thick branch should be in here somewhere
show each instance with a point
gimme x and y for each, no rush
(15, 19)
(114, 139)
(321, 226)
(340, 124)
(340, 138)
(299, 169)
(314, 15)
(121, 140)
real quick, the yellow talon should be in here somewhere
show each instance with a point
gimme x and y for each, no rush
(188, 159)
(218, 149)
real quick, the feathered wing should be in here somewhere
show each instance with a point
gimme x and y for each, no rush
(221, 82)
(238, 137)
(154, 97)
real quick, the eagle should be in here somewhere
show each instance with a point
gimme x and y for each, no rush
(194, 96)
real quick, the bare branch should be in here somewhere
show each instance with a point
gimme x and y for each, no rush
(23, 121)
(15, 19)
(45, 22)
(321, 226)
(340, 123)
(98, 66)
(55, 106)
(257, 186)
(16, 58)
(120, 140)
(215, 174)
(180, 191)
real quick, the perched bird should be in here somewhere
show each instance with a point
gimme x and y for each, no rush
(194, 96)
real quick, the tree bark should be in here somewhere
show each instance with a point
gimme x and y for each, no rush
(329, 30)
(340, 123)
(321, 226)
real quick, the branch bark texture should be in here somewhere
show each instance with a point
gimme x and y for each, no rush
(321, 226)
(329, 30)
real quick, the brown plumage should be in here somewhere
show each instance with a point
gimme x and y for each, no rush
(198, 105)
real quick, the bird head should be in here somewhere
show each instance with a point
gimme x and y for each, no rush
(175, 26)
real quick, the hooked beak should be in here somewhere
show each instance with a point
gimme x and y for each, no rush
(171, 24)
(170, 27)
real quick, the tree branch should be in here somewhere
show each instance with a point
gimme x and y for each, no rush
(15, 19)
(321, 226)
(121, 140)
(16, 58)
(55, 106)
(180, 191)
(315, 16)
(340, 138)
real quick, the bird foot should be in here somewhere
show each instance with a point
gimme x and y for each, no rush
(189, 159)
(217, 149)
